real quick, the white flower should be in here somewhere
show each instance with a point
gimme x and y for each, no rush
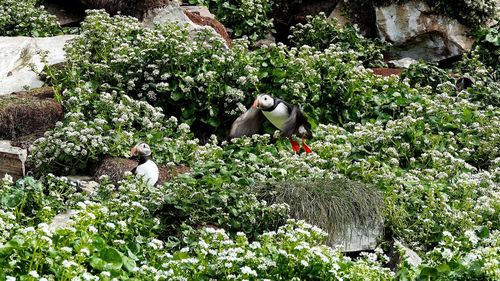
(249, 271)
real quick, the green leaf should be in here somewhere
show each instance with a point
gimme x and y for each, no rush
(97, 263)
(176, 96)
(443, 268)
(98, 243)
(111, 255)
(129, 264)
(483, 232)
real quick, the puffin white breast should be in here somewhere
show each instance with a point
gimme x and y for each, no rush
(150, 172)
(278, 116)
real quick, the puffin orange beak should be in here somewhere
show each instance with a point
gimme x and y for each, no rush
(133, 151)
(256, 103)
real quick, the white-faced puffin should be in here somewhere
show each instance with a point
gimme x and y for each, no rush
(289, 119)
(147, 167)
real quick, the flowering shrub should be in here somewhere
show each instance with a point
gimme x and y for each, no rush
(26, 18)
(320, 32)
(211, 90)
(431, 147)
(487, 46)
(249, 18)
(99, 240)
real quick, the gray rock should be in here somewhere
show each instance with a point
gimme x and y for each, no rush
(358, 237)
(408, 254)
(12, 160)
(401, 63)
(174, 13)
(62, 220)
(338, 15)
(419, 33)
(200, 10)
(17, 54)
(85, 183)
(270, 39)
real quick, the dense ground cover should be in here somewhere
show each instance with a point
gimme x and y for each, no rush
(431, 148)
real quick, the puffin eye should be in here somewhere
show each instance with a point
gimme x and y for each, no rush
(265, 98)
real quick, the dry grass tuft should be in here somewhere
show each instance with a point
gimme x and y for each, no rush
(331, 204)
(28, 113)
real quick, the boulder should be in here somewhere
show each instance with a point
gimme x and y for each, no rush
(408, 254)
(419, 33)
(199, 10)
(12, 160)
(28, 114)
(194, 22)
(62, 221)
(338, 14)
(18, 54)
(85, 184)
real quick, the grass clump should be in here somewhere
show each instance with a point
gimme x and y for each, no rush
(331, 204)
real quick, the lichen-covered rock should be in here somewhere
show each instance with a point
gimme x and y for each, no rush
(419, 33)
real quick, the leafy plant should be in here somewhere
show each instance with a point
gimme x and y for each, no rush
(320, 32)
(26, 18)
(249, 18)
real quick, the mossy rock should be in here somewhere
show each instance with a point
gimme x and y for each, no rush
(27, 115)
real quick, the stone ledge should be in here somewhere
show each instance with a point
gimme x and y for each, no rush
(12, 160)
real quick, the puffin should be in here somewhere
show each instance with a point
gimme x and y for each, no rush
(147, 167)
(289, 119)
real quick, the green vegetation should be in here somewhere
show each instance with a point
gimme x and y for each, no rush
(331, 204)
(26, 18)
(430, 148)
(320, 33)
(249, 18)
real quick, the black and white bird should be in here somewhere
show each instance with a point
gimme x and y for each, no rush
(289, 119)
(147, 167)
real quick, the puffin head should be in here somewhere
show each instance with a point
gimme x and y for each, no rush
(263, 101)
(140, 149)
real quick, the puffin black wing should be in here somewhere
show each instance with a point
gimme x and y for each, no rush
(294, 122)
(247, 124)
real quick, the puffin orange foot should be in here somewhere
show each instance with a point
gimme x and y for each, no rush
(306, 148)
(295, 145)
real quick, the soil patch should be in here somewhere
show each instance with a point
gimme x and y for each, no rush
(27, 115)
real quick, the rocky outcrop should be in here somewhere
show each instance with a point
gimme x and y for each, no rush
(19, 54)
(338, 14)
(194, 22)
(219, 28)
(419, 33)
